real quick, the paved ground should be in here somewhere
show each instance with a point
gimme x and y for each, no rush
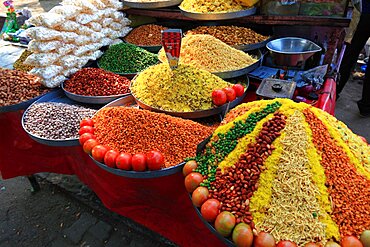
(65, 213)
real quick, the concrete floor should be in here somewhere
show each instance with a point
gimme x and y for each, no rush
(347, 111)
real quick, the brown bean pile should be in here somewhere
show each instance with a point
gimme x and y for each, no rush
(97, 82)
(349, 191)
(18, 86)
(236, 185)
(146, 35)
(231, 35)
(19, 65)
(138, 131)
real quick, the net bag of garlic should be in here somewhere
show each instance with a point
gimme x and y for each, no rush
(287, 170)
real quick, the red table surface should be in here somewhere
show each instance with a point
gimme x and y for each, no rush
(161, 204)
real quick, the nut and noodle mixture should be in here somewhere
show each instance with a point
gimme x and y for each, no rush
(19, 65)
(133, 131)
(231, 35)
(217, 6)
(146, 35)
(184, 89)
(291, 170)
(18, 86)
(211, 54)
(55, 121)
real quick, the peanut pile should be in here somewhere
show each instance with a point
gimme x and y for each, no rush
(18, 86)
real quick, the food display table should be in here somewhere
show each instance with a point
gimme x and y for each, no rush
(161, 204)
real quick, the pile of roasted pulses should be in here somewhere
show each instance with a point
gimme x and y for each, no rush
(231, 35)
(146, 35)
(18, 86)
(55, 121)
(19, 65)
(97, 82)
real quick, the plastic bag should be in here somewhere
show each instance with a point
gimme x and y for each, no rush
(85, 5)
(68, 72)
(69, 36)
(117, 16)
(106, 22)
(82, 40)
(69, 11)
(94, 26)
(99, 4)
(47, 20)
(65, 49)
(42, 33)
(116, 41)
(69, 26)
(40, 47)
(54, 82)
(84, 49)
(47, 72)
(94, 55)
(109, 12)
(106, 31)
(69, 61)
(86, 18)
(106, 41)
(96, 37)
(125, 22)
(125, 31)
(41, 59)
(82, 61)
(114, 34)
(83, 30)
(115, 26)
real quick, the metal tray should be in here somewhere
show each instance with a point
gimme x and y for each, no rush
(20, 106)
(265, 89)
(250, 47)
(196, 114)
(127, 101)
(54, 96)
(127, 75)
(151, 5)
(243, 71)
(98, 100)
(152, 49)
(219, 16)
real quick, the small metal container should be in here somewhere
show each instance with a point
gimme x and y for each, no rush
(274, 88)
(291, 51)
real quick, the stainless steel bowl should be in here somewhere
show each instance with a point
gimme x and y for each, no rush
(292, 51)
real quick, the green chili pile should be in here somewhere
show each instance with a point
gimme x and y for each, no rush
(126, 58)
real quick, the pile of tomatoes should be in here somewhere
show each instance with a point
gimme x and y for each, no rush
(221, 96)
(242, 234)
(152, 160)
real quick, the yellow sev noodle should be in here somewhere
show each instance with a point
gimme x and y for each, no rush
(204, 51)
(184, 89)
(206, 6)
(293, 203)
(356, 161)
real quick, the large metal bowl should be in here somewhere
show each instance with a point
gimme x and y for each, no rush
(292, 51)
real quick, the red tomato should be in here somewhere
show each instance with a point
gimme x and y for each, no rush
(124, 161)
(225, 223)
(154, 160)
(311, 245)
(350, 241)
(210, 209)
(219, 97)
(86, 129)
(286, 243)
(192, 181)
(89, 144)
(84, 137)
(189, 167)
(230, 93)
(242, 235)
(98, 152)
(199, 196)
(264, 239)
(86, 122)
(110, 158)
(239, 90)
(139, 162)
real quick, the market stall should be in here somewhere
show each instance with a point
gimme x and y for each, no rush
(125, 115)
